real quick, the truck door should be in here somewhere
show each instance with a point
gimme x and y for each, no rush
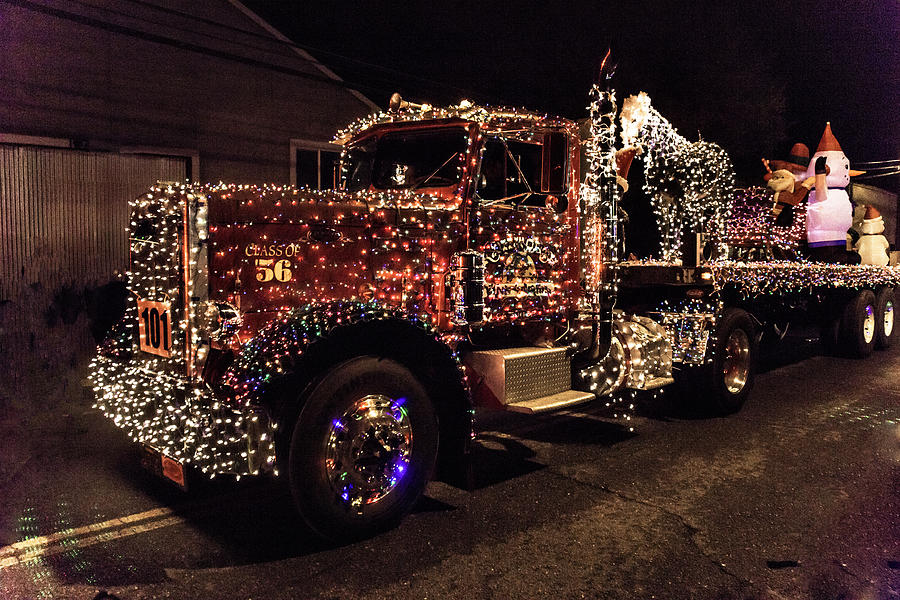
(523, 226)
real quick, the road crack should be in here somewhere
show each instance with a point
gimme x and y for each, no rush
(693, 531)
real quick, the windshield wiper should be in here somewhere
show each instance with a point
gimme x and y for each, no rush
(435, 172)
(518, 168)
(499, 200)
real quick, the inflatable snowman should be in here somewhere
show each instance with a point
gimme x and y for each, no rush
(872, 245)
(830, 213)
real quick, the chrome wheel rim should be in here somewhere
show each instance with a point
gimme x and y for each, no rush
(888, 323)
(869, 324)
(736, 366)
(368, 450)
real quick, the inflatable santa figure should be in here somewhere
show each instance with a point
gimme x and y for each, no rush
(830, 213)
(872, 245)
(789, 182)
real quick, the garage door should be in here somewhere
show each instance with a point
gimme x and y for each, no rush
(64, 213)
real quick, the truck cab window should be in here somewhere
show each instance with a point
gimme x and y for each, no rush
(315, 169)
(408, 160)
(522, 172)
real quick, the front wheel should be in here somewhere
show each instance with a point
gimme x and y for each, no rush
(734, 362)
(363, 448)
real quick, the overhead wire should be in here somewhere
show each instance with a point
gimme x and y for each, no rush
(295, 45)
(893, 161)
(274, 42)
(167, 41)
(191, 46)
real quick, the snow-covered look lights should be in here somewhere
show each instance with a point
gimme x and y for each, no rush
(690, 184)
(598, 197)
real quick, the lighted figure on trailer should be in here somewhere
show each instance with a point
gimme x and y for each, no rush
(830, 213)
(690, 184)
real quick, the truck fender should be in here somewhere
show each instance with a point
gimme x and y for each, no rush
(277, 367)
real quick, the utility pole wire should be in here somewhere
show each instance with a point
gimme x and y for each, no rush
(191, 47)
(287, 44)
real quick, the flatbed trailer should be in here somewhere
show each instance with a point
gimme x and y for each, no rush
(717, 313)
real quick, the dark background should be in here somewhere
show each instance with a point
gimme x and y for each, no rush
(754, 77)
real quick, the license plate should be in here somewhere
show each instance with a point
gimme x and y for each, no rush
(155, 327)
(163, 466)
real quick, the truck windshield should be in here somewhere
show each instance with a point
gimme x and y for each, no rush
(522, 171)
(408, 159)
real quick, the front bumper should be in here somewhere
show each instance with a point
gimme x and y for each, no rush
(184, 420)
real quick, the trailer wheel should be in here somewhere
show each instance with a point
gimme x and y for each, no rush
(859, 325)
(884, 318)
(363, 448)
(734, 362)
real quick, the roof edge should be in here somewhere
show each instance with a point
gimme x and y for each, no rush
(299, 51)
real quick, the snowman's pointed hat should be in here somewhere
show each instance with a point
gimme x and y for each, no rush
(871, 213)
(828, 143)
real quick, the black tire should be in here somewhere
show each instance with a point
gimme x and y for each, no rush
(858, 325)
(884, 318)
(394, 454)
(724, 386)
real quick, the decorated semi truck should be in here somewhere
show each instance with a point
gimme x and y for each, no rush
(342, 339)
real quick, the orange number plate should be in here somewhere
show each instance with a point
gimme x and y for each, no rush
(155, 327)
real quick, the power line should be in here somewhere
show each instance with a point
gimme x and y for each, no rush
(294, 45)
(888, 174)
(189, 46)
(887, 163)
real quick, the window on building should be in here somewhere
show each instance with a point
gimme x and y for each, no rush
(314, 166)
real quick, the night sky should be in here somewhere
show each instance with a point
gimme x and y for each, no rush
(754, 78)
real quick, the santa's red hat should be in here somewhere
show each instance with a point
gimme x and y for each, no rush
(828, 143)
(797, 161)
(623, 160)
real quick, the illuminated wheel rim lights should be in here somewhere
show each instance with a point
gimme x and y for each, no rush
(736, 366)
(368, 450)
(888, 323)
(869, 324)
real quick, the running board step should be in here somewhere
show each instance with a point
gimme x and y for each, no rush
(656, 382)
(552, 402)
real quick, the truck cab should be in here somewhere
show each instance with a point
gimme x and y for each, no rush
(343, 338)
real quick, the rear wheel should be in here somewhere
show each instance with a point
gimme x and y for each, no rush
(723, 386)
(859, 325)
(363, 448)
(884, 318)
(734, 364)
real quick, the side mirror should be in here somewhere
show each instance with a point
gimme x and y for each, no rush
(557, 204)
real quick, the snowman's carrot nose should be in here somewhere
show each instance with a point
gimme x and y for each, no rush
(854, 173)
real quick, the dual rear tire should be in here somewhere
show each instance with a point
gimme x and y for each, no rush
(864, 323)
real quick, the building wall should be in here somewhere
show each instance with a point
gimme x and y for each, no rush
(63, 217)
(116, 74)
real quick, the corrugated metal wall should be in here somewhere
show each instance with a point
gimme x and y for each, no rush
(64, 213)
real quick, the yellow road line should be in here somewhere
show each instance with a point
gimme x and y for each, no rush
(87, 535)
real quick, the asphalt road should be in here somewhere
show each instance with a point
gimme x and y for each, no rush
(797, 496)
